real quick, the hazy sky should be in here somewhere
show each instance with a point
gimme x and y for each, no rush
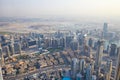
(38, 8)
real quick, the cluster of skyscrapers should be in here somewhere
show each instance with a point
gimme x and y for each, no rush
(78, 41)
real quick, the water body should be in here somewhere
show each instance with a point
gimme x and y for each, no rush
(66, 78)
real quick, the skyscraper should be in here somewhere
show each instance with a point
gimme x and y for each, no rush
(99, 56)
(117, 74)
(88, 73)
(1, 77)
(94, 77)
(1, 55)
(99, 52)
(0, 51)
(62, 42)
(54, 43)
(74, 45)
(85, 39)
(39, 42)
(3, 38)
(11, 48)
(7, 51)
(113, 49)
(108, 70)
(68, 40)
(82, 65)
(90, 42)
(74, 67)
(17, 48)
(105, 30)
(92, 65)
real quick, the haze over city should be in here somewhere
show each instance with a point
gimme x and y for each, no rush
(59, 39)
(70, 8)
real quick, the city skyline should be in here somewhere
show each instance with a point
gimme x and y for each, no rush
(59, 40)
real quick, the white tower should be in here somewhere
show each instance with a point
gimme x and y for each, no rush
(1, 77)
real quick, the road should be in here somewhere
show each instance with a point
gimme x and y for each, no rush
(36, 71)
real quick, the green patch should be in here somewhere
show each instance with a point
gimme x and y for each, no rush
(22, 57)
(55, 49)
(3, 33)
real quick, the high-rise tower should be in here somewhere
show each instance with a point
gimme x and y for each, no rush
(17, 48)
(108, 70)
(7, 51)
(113, 49)
(1, 55)
(99, 53)
(0, 51)
(117, 74)
(11, 48)
(82, 65)
(105, 30)
(99, 56)
(90, 42)
(88, 73)
(74, 67)
(1, 77)
(39, 42)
